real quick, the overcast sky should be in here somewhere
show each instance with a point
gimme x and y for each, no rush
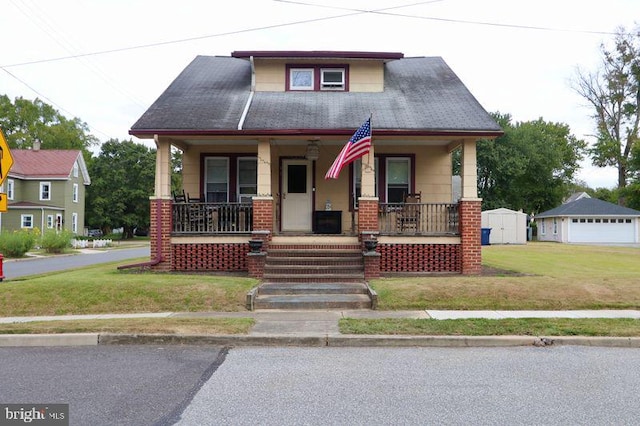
(107, 61)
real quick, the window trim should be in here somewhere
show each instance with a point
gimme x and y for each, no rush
(317, 77)
(42, 185)
(75, 190)
(75, 169)
(49, 221)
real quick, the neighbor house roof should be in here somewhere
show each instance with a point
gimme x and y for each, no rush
(422, 96)
(589, 207)
(55, 164)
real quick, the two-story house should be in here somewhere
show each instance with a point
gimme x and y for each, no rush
(45, 190)
(260, 129)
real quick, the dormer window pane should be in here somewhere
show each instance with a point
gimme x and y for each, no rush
(301, 79)
(332, 79)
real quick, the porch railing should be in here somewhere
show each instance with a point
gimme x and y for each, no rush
(419, 219)
(212, 218)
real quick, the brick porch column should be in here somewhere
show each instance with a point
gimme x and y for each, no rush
(262, 230)
(367, 229)
(161, 244)
(470, 218)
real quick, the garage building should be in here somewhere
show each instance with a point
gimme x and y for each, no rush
(589, 221)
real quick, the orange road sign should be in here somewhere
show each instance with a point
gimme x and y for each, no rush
(6, 160)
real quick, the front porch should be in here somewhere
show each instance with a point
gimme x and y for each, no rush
(266, 190)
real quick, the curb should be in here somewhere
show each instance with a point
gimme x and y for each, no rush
(93, 339)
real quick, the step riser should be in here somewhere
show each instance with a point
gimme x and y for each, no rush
(299, 289)
(312, 269)
(311, 279)
(259, 304)
(313, 260)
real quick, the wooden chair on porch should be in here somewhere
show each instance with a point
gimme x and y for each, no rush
(408, 218)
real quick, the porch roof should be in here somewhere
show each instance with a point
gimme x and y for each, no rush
(422, 96)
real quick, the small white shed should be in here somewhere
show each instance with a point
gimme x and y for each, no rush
(507, 226)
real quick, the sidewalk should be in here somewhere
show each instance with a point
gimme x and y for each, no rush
(320, 328)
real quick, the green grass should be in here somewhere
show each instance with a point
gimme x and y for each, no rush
(540, 276)
(104, 289)
(488, 327)
(536, 276)
(137, 325)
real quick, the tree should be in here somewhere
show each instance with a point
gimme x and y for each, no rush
(614, 94)
(25, 121)
(122, 180)
(530, 167)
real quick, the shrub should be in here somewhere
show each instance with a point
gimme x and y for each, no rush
(56, 242)
(18, 243)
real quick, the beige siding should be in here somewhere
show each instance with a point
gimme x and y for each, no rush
(364, 76)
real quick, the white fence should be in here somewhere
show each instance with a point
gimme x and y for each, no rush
(82, 244)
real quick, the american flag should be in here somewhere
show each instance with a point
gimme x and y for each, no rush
(358, 145)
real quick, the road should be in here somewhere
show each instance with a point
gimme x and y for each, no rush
(347, 386)
(41, 265)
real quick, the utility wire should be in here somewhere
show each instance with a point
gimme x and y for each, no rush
(432, 18)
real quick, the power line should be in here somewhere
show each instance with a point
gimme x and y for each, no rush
(457, 21)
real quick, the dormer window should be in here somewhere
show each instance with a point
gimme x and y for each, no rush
(317, 78)
(332, 79)
(301, 79)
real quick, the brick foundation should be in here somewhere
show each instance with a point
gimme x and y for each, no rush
(420, 257)
(210, 257)
(470, 230)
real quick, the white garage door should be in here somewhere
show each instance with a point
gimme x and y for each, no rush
(595, 230)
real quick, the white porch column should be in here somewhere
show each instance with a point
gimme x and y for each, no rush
(469, 170)
(264, 168)
(163, 168)
(368, 176)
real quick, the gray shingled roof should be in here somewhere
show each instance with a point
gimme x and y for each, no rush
(589, 207)
(421, 94)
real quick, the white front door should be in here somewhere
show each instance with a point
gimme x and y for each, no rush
(296, 195)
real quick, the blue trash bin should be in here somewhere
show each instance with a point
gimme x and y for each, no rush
(486, 233)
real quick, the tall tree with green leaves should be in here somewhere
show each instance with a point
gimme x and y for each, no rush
(530, 167)
(122, 180)
(24, 121)
(613, 91)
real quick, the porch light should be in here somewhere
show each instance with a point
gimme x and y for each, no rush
(313, 151)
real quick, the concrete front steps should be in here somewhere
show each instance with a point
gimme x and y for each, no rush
(313, 274)
(312, 296)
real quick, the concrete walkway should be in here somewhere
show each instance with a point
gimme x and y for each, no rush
(320, 328)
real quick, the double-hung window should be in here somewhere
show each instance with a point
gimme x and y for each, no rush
(45, 191)
(217, 180)
(10, 187)
(247, 179)
(398, 179)
(393, 178)
(230, 179)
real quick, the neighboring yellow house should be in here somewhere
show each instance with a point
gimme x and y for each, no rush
(259, 130)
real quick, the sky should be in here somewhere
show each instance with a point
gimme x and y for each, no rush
(106, 62)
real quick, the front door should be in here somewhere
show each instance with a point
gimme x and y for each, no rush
(296, 195)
